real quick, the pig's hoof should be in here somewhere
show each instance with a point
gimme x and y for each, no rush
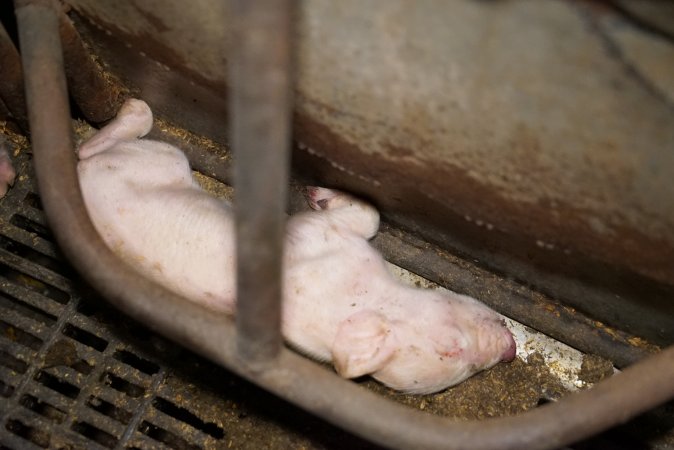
(7, 172)
(136, 116)
(133, 107)
(321, 198)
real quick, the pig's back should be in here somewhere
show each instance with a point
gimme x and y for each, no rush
(149, 211)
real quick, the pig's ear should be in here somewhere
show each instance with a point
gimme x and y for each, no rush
(364, 344)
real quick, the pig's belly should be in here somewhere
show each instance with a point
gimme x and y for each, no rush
(180, 238)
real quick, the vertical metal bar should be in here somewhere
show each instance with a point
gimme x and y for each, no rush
(97, 97)
(11, 80)
(260, 128)
(51, 118)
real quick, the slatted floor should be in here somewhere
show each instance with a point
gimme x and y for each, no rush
(75, 373)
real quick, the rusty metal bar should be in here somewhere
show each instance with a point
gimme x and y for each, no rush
(96, 95)
(260, 98)
(11, 80)
(291, 377)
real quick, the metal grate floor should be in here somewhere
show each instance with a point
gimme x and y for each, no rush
(75, 373)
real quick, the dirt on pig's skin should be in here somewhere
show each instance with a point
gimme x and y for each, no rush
(506, 389)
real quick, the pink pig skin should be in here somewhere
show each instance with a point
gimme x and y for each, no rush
(7, 172)
(340, 302)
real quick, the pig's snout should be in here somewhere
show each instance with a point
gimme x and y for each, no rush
(511, 349)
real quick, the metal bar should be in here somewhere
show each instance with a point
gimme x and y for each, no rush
(291, 377)
(510, 298)
(11, 80)
(96, 95)
(260, 128)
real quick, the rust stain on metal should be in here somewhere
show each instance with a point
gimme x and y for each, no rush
(97, 95)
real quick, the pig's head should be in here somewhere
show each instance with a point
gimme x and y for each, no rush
(425, 351)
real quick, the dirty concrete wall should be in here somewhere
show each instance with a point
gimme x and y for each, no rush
(536, 137)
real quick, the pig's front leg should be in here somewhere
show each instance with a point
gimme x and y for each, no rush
(344, 211)
(134, 120)
(7, 172)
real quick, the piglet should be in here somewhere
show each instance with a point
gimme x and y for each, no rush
(7, 172)
(343, 305)
(340, 303)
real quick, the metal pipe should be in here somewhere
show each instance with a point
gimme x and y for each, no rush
(291, 377)
(259, 68)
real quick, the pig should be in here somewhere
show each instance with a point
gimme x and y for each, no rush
(143, 201)
(7, 172)
(340, 302)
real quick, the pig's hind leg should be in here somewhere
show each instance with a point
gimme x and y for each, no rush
(344, 210)
(134, 120)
